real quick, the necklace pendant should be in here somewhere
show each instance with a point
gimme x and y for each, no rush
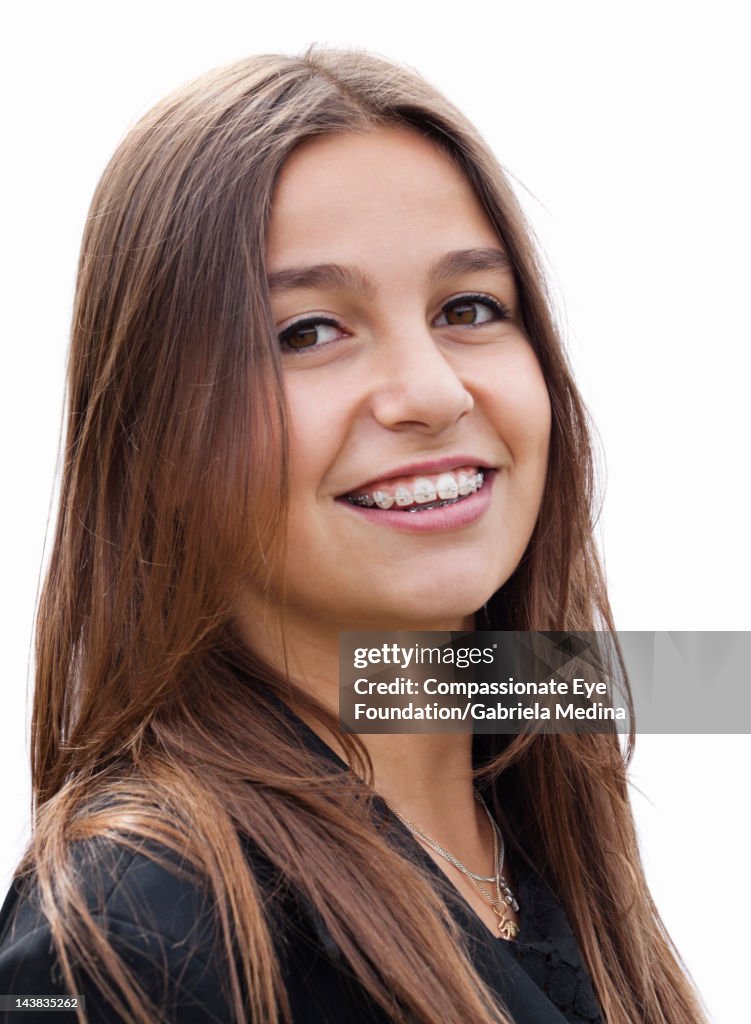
(507, 928)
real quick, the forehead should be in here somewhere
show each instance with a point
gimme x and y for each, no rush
(374, 194)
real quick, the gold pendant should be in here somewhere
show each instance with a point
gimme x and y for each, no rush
(507, 928)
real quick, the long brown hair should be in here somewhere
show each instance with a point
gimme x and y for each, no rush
(149, 721)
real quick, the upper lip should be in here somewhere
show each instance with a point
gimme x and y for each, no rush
(445, 464)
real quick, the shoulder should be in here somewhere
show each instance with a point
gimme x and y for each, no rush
(155, 913)
(147, 884)
(157, 916)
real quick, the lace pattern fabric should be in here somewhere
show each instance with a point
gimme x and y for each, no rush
(548, 952)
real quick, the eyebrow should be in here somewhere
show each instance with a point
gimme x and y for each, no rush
(333, 275)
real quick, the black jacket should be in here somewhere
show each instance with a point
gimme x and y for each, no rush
(161, 924)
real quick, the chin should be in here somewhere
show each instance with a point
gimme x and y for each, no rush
(449, 608)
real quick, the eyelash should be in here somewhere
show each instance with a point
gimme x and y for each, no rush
(501, 311)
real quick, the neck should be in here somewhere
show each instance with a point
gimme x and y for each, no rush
(426, 777)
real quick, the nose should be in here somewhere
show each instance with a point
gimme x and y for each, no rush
(416, 387)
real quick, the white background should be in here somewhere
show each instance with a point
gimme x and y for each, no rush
(628, 127)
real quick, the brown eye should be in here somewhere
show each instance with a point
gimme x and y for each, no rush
(302, 337)
(466, 313)
(471, 311)
(307, 334)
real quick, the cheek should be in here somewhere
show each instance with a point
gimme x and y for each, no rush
(519, 404)
(315, 424)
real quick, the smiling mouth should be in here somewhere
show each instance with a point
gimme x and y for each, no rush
(424, 493)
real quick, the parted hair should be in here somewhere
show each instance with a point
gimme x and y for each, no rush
(151, 719)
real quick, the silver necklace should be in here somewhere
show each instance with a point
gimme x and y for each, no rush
(504, 897)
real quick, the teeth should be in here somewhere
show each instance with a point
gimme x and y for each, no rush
(382, 499)
(446, 486)
(424, 491)
(463, 482)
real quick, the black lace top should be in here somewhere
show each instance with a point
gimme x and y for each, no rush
(545, 949)
(548, 952)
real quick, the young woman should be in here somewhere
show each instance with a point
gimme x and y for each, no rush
(315, 385)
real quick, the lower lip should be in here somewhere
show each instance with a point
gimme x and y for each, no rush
(436, 520)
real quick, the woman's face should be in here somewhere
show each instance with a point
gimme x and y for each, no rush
(419, 417)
